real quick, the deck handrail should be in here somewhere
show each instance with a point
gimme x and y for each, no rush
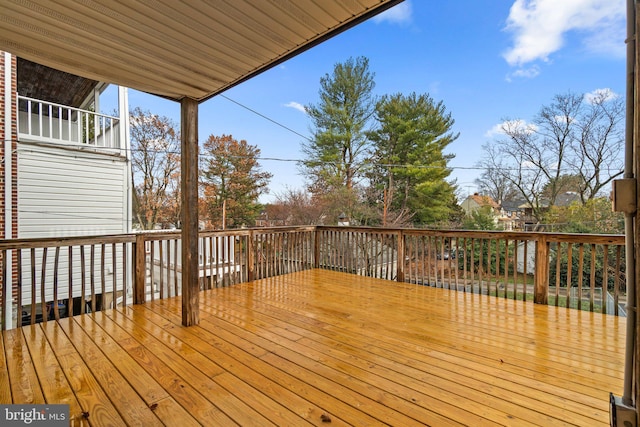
(584, 271)
(44, 121)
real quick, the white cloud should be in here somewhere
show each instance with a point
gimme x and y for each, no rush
(399, 14)
(539, 27)
(512, 126)
(296, 106)
(600, 95)
(494, 131)
(525, 73)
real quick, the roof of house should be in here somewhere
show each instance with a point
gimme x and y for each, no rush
(193, 49)
(481, 200)
(512, 205)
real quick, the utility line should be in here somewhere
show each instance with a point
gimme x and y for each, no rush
(265, 117)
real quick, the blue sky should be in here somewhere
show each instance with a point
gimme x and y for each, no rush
(486, 60)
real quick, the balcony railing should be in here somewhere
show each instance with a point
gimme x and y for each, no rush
(51, 278)
(42, 121)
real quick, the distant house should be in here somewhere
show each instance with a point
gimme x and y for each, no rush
(530, 222)
(65, 164)
(476, 201)
(512, 215)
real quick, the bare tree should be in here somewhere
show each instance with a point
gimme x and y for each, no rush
(600, 141)
(301, 207)
(155, 164)
(518, 159)
(492, 182)
(574, 136)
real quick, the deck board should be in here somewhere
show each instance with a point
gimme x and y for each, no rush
(316, 345)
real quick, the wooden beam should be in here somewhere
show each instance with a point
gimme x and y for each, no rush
(189, 211)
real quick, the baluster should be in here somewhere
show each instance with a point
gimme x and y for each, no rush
(93, 277)
(33, 285)
(569, 274)
(558, 266)
(592, 278)
(114, 282)
(616, 280)
(56, 313)
(580, 274)
(605, 277)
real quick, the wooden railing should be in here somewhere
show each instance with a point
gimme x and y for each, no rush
(44, 279)
(582, 271)
(282, 250)
(43, 121)
(52, 278)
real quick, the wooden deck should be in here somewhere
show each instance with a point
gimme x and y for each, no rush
(320, 346)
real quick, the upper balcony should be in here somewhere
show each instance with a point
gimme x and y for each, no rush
(48, 122)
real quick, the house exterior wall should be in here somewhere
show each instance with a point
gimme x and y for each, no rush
(64, 192)
(469, 205)
(69, 193)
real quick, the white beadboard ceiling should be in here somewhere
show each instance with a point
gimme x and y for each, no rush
(173, 48)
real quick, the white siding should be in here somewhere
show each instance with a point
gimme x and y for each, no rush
(62, 193)
(69, 193)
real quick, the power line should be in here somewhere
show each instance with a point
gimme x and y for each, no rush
(266, 117)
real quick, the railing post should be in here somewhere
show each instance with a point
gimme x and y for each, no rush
(140, 260)
(400, 260)
(316, 248)
(541, 286)
(251, 257)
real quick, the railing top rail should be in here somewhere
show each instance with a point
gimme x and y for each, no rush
(614, 239)
(26, 98)
(39, 242)
(153, 235)
(175, 234)
(284, 228)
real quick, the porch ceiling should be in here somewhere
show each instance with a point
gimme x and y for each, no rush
(193, 49)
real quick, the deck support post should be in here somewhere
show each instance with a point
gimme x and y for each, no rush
(541, 286)
(189, 211)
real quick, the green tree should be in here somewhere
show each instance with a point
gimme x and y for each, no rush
(594, 216)
(231, 182)
(480, 219)
(411, 167)
(337, 152)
